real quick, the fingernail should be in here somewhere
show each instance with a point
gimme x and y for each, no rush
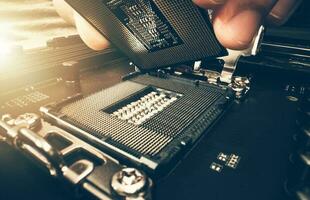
(283, 11)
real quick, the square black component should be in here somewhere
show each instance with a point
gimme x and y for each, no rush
(153, 33)
(147, 120)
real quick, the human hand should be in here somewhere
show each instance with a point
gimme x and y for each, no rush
(88, 33)
(235, 22)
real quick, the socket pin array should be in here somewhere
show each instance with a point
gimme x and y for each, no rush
(147, 106)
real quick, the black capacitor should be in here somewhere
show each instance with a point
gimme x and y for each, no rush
(70, 71)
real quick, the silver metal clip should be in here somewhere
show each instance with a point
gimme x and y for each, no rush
(233, 57)
(19, 133)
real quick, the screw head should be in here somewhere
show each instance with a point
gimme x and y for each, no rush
(128, 182)
(30, 120)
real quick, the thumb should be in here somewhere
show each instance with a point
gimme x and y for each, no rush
(237, 22)
(238, 32)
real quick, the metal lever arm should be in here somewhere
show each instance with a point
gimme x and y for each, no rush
(39, 148)
(233, 57)
(34, 145)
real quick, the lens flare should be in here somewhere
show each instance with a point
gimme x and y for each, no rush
(4, 47)
(5, 44)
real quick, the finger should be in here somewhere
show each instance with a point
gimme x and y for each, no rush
(64, 10)
(282, 11)
(236, 23)
(209, 3)
(89, 34)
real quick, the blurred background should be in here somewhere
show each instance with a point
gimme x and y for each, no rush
(30, 23)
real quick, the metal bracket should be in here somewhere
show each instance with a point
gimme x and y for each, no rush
(233, 57)
(19, 133)
(28, 133)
